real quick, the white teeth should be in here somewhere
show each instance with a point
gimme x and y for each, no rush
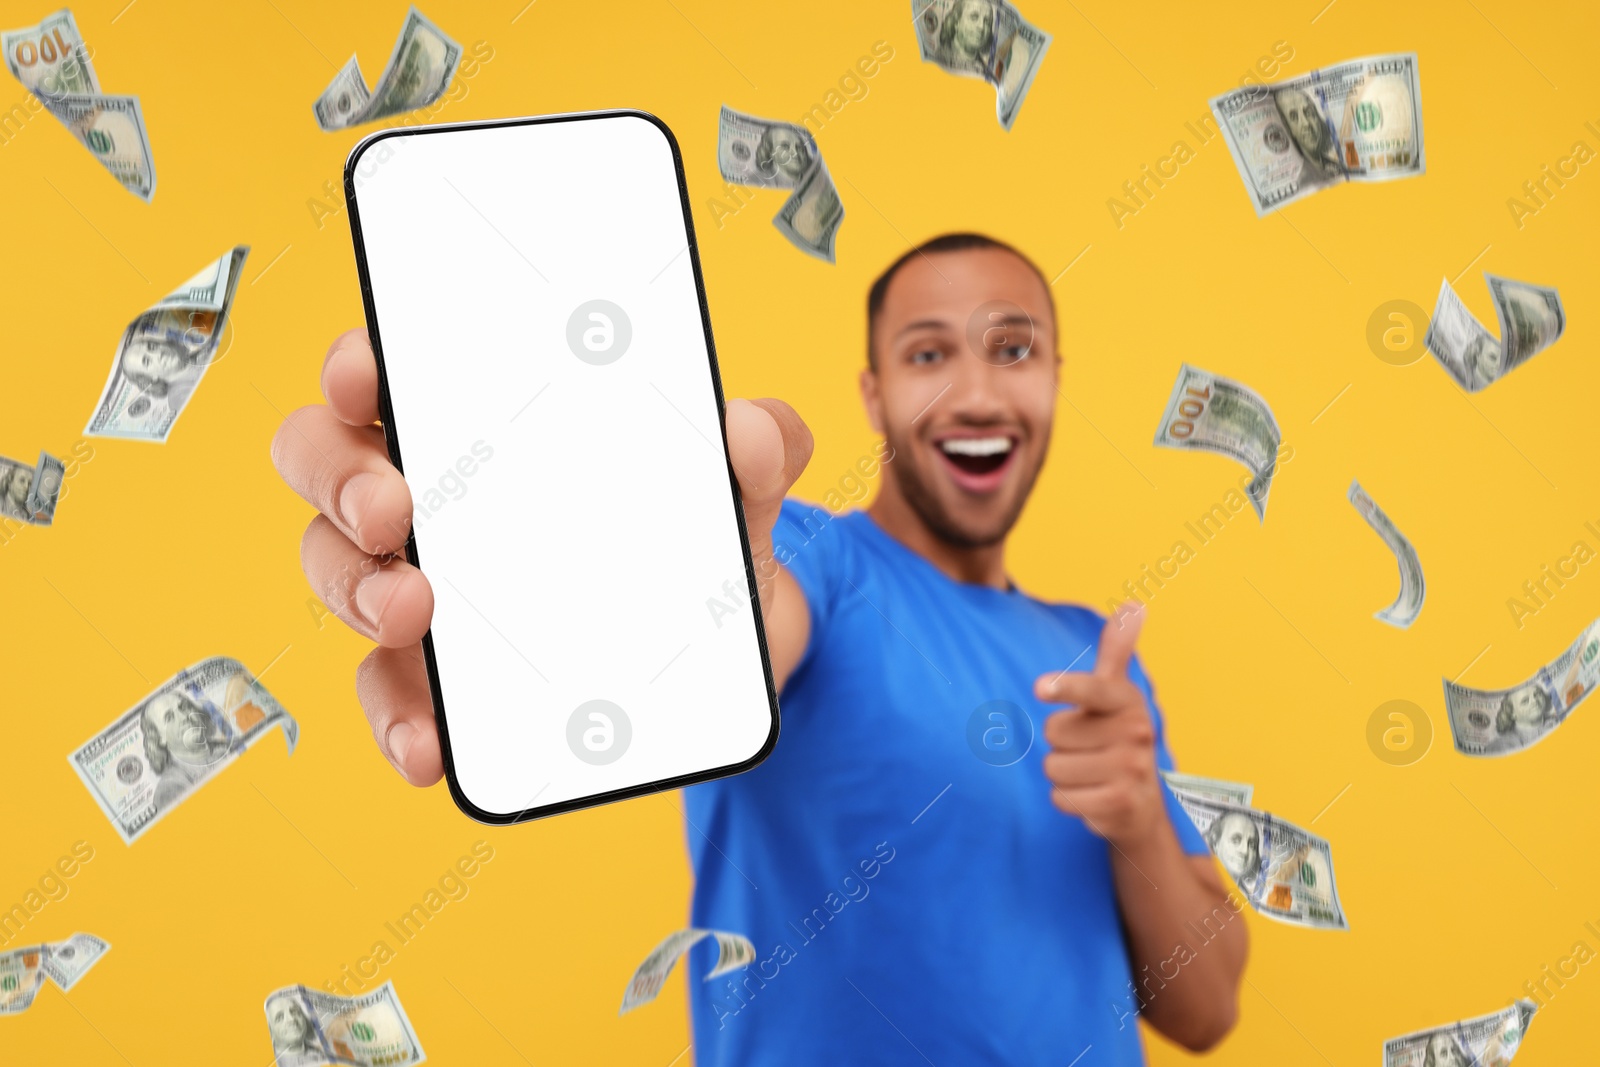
(976, 446)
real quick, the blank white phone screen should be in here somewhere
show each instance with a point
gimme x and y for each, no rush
(557, 421)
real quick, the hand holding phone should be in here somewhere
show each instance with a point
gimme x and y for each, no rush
(506, 560)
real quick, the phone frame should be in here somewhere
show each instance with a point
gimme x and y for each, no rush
(391, 436)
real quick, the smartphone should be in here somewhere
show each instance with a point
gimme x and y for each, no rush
(548, 386)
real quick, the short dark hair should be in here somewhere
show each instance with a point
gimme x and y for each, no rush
(947, 242)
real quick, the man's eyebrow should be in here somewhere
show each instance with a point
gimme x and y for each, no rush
(923, 324)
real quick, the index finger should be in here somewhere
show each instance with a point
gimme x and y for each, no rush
(350, 378)
(1117, 638)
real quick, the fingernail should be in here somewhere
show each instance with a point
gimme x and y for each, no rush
(353, 498)
(373, 594)
(401, 734)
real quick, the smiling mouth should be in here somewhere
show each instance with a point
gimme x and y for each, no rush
(978, 464)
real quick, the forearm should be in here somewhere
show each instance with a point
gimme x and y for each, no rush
(1187, 944)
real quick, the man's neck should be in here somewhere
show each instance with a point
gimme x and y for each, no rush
(985, 565)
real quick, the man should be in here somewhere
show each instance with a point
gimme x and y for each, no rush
(783, 155)
(1527, 712)
(1304, 119)
(966, 38)
(294, 1039)
(15, 483)
(1444, 1051)
(999, 929)
(181, 743)
(1237, 845)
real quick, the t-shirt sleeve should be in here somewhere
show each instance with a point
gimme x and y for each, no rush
(810, 543)
(1188, 837)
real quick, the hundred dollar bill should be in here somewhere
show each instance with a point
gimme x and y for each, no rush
(50, 59)
(733, 951)
(67, 961)
(1487, 1041)
(1531, 319)
(1209, 788)
(30, 493)
(419, 71)
(986, 39)
(312, 1027)
(165, 352)
(1357, 121)
(769, 154)
(52, 62)
(1498, 722)
(1403, 612)
(1284, 872)
(174, 740)
(1212, 413)
(21, 974)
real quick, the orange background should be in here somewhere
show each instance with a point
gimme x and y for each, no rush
(1461, 878)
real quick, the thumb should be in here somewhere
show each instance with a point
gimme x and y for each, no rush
(1117, 639)
(768, 446)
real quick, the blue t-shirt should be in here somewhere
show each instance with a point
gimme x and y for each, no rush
(912, 893)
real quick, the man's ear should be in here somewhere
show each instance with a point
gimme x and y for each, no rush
(872, 399)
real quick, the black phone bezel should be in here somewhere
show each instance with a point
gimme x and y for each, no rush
(391, 437)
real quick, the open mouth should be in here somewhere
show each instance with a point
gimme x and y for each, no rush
(978, 464)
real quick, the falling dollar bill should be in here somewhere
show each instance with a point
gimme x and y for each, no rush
(23, 970)
(1403, 612)
(419, 71)
(1221, 416)
(368, 1030)
(50, 59)
(67, 961)
(780, 155)
(30, 493)
(1283, 871)
(1209, 788)
(1498, 722)
(165, 352)
(21, 974)
(1531, 319)
(52, 62)
(174, 740)
(1487, 1041)
(987, 39)
(733, 951)
(1358, 121)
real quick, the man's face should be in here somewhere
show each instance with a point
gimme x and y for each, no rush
(182, 725)
(1303, 119)
(154, 360)
(789, 155)
(287, 1022)
(1234, 844)
(1526, 708)
(1483, 356)
(21, 482)
(974, 25)
(1445, 1053)
(968, 425)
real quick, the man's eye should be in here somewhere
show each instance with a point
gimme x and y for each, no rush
(926, 355)
(1013, 353)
